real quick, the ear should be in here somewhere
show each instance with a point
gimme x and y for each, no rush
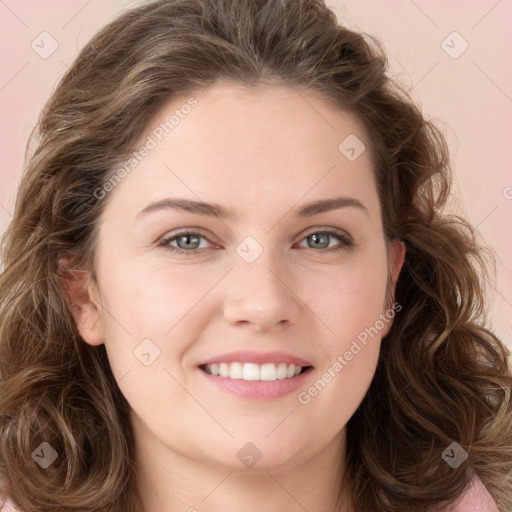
(396, 261)
(81, 295)
(397, 251)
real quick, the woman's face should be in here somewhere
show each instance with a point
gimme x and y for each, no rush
(253, 291)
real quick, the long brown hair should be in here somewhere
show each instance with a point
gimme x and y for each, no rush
(442, 376)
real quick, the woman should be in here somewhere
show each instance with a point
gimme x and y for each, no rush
(256, 367)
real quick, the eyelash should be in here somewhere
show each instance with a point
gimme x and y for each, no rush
(338, 234)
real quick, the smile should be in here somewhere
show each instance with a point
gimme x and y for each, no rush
(254, 372)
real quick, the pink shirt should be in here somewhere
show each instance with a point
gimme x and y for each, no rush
(475, 499)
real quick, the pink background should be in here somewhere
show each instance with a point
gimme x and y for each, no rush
(470, 96)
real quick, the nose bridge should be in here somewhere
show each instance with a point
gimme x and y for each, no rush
(258, 290)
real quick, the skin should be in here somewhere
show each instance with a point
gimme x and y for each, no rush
(262, 153)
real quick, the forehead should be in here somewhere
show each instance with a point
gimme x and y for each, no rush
(243, 145)
(278, 116)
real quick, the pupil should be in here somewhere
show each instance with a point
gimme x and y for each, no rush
(187, 237)
(316, 237)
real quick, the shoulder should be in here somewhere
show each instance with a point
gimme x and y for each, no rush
(476, 499)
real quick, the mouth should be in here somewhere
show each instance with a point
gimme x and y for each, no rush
(255, 374)
(267, 372)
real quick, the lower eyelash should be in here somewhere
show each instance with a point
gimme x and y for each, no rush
(347, 243)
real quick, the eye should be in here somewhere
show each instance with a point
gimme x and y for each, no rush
(322, 237)
(188, 242)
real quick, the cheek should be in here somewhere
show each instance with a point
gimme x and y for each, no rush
(145, 338)
(345, 382)
(151, 318)
(351, 305)
(149, 302)
(350, 299)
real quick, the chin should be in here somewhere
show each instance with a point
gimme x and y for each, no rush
(261, 453)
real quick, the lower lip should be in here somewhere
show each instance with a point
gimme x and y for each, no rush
(258, 389)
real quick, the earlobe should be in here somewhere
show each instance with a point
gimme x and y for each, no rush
(81, 295)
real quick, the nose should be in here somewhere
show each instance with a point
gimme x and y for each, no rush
(261, 295)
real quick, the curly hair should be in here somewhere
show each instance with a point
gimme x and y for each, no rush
(442, 375)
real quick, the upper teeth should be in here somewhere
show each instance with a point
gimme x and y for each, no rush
(252, 371)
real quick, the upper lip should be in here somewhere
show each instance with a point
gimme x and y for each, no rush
(252, 356)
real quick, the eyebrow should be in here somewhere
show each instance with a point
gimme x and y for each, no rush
(221, 212)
